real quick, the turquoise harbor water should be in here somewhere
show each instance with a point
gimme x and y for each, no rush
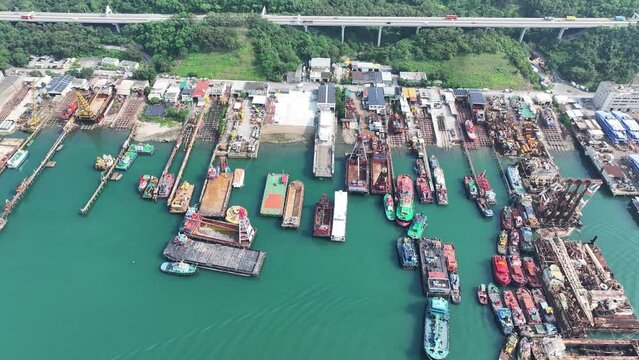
(89, 287)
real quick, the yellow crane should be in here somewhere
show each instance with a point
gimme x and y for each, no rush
(34, 121)
(84, 111)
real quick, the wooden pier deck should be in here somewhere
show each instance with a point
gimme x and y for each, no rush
(28, 181)
(129, 112)
(106, 176)
(232, 260)
(191, 140)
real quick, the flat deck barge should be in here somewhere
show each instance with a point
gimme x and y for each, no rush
(293, 205)
(324, 150)
(435, 281)
(274, 194)
(381, 178)
(232, 260)
(216, 195)
(221, 232)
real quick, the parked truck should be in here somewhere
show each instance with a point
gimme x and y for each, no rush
(620, 18)
(27, 16)
(571, 18)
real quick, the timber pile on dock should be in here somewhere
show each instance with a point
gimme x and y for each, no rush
(577, 272)
(244, 262)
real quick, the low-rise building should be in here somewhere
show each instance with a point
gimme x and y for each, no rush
(172, 94)
(256, 88)
(326, 97)
(127, 65)
(611, 97)
(361, 78)
(9, 86)
(59, 85)
(217, 88)
(159, 88)
(109, 62)
(412, 78)
(374, 98)
(200, 92)
(296, 76)
(187, 93)
(318, 67)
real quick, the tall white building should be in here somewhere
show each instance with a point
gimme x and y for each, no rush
(615, 97)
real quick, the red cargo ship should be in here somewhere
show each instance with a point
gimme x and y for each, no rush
(531, 271)
(423, 190)
(500, 270)
(518, 314)
(323, 217)
(516, 271)
(526, 299)
(451, 260)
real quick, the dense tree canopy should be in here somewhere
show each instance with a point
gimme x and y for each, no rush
(603, 54)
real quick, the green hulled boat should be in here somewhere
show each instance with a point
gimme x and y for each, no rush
(389, 207)
(127, 159)
(416, 230)
(178, 268)
(405, 205)
(436, 328)
(150, 188)
(142, 149)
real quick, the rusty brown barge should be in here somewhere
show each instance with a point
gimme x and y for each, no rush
(293, 205)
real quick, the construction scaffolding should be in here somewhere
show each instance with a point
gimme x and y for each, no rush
(559, 205)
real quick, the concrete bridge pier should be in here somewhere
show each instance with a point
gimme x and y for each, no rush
(305, 27)
(343, 27)
(521, 35)
(117, 28)
(561, 33)
(417, 30)
(379, 37)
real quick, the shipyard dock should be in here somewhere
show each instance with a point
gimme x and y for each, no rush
(577, 275)
(324, 149)
(232, 260)
(274, 194)
(294, 204)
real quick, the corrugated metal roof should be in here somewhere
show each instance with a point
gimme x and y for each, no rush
(326, 94)
(375, 96)
(200, 88)
(476, 97)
